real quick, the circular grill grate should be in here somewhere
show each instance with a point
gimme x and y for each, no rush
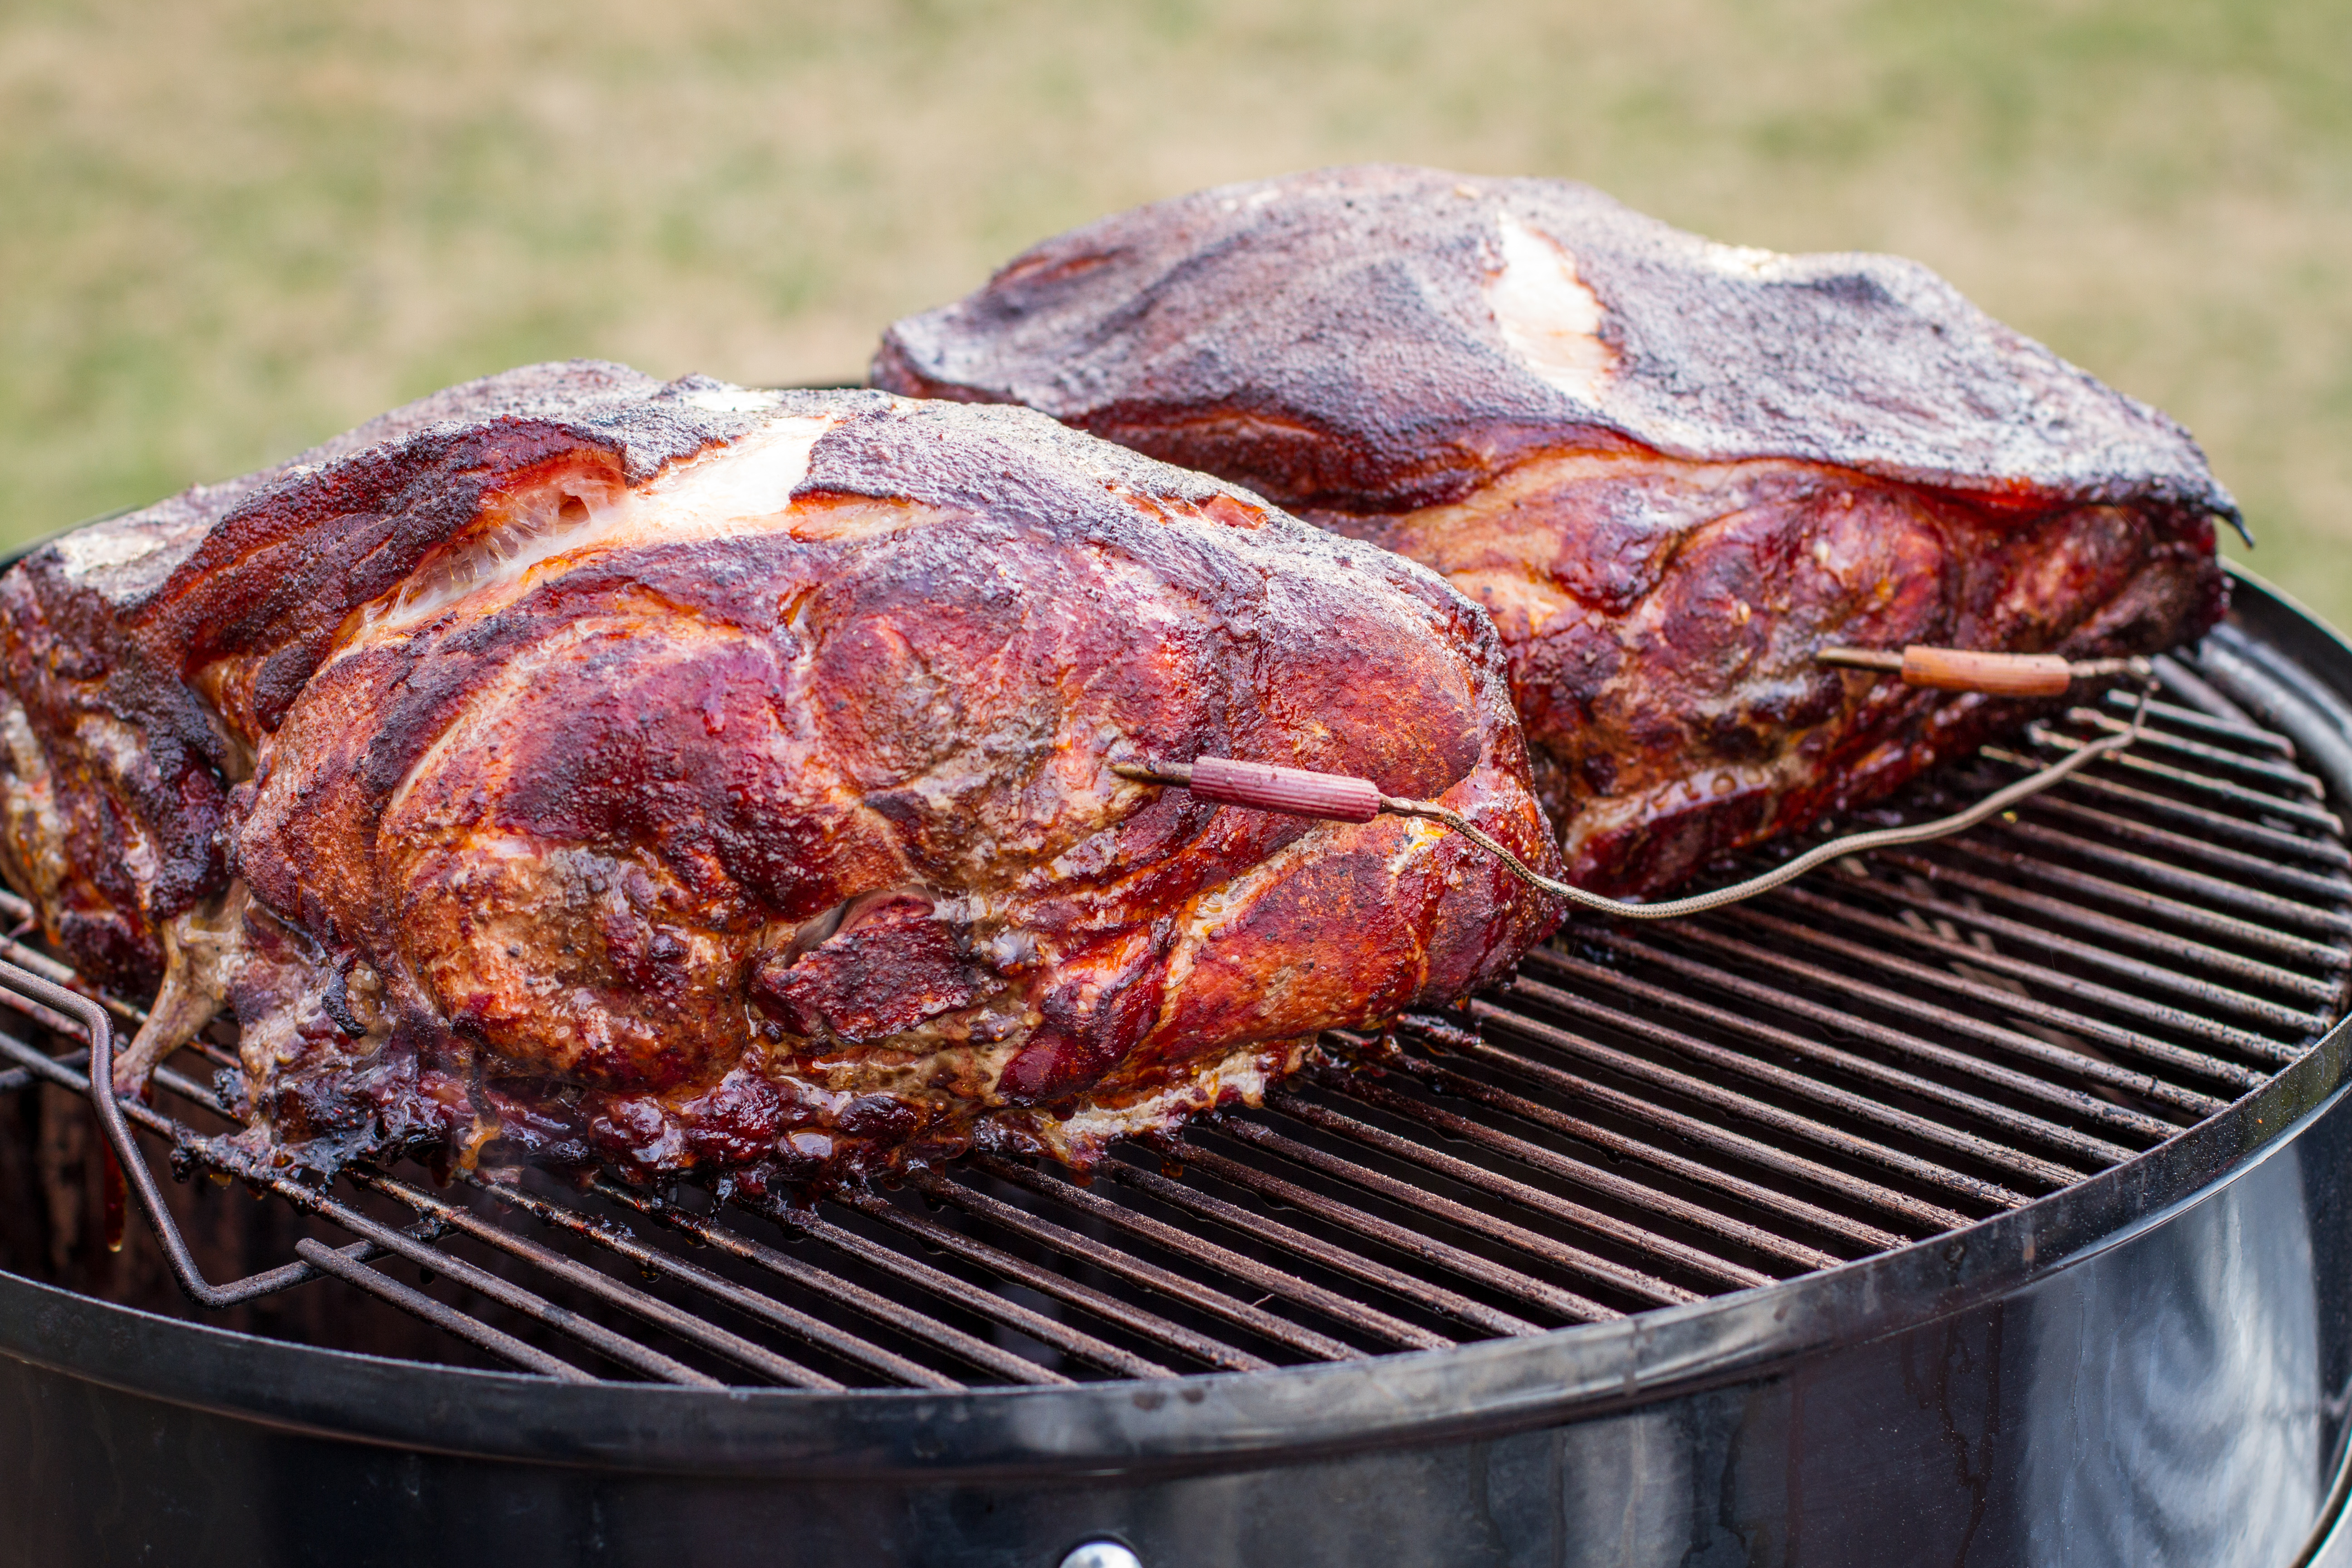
(1874, 1057)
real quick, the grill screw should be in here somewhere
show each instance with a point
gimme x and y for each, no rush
(1101, 1555)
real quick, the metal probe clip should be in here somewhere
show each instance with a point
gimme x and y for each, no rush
(1994, 674)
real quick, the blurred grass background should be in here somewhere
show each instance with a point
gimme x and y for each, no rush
(230, 227)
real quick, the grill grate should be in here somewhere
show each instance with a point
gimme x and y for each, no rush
(1888, 1051)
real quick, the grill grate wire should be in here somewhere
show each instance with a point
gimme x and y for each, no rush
(1896, 1048)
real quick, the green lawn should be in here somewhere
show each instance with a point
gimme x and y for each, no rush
(228, 227)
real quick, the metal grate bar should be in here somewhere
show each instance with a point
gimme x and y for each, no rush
(616, 1348)
(1021, 1319)
(1797, 1211)
(2206, 922)
(2010, 998)
(624, 1350)
(2198, 692)
(1899, 1206)
(1438, 1254)
(1017, 1270)
(2181, 879)
(638, 1304)
(2237, 862)
(2171, 944)
(2315, 817)
(2178, 1020)
(2326, 852)
(446, 1217)
(1436, 1206)
(2019, 1124)
(1697, 1216)
(1338, 1259)
(620, 1241)
(2221, 998)
(417, 1304)
(2283, 774)
(1660, 1250)
(1045, 1331)
(2203, 723)
(48, 1018)
(1747, 1108)
(2014, 1002)
(67, 1072)
(1275, 1283)
(905, 1321)
(15, 1078)
(525, 1302)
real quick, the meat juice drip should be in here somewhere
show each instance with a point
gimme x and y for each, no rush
(112, 1199)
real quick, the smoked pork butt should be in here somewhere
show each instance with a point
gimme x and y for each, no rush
(674, 778)
(1671, 470)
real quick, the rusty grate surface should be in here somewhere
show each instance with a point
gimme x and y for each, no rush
(1875, 1056)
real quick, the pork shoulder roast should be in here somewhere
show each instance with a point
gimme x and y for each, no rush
(1672, 470)
(672, 777)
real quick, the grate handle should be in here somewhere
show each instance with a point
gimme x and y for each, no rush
(99, 1085)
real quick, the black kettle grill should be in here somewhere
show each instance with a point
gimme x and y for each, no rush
(1980, 1203)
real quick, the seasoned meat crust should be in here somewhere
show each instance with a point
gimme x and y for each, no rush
(676, 778)
(1672, 470)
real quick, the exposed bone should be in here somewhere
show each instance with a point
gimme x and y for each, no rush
(200, 949)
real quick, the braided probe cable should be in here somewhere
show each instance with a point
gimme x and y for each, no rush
(1354, 800)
